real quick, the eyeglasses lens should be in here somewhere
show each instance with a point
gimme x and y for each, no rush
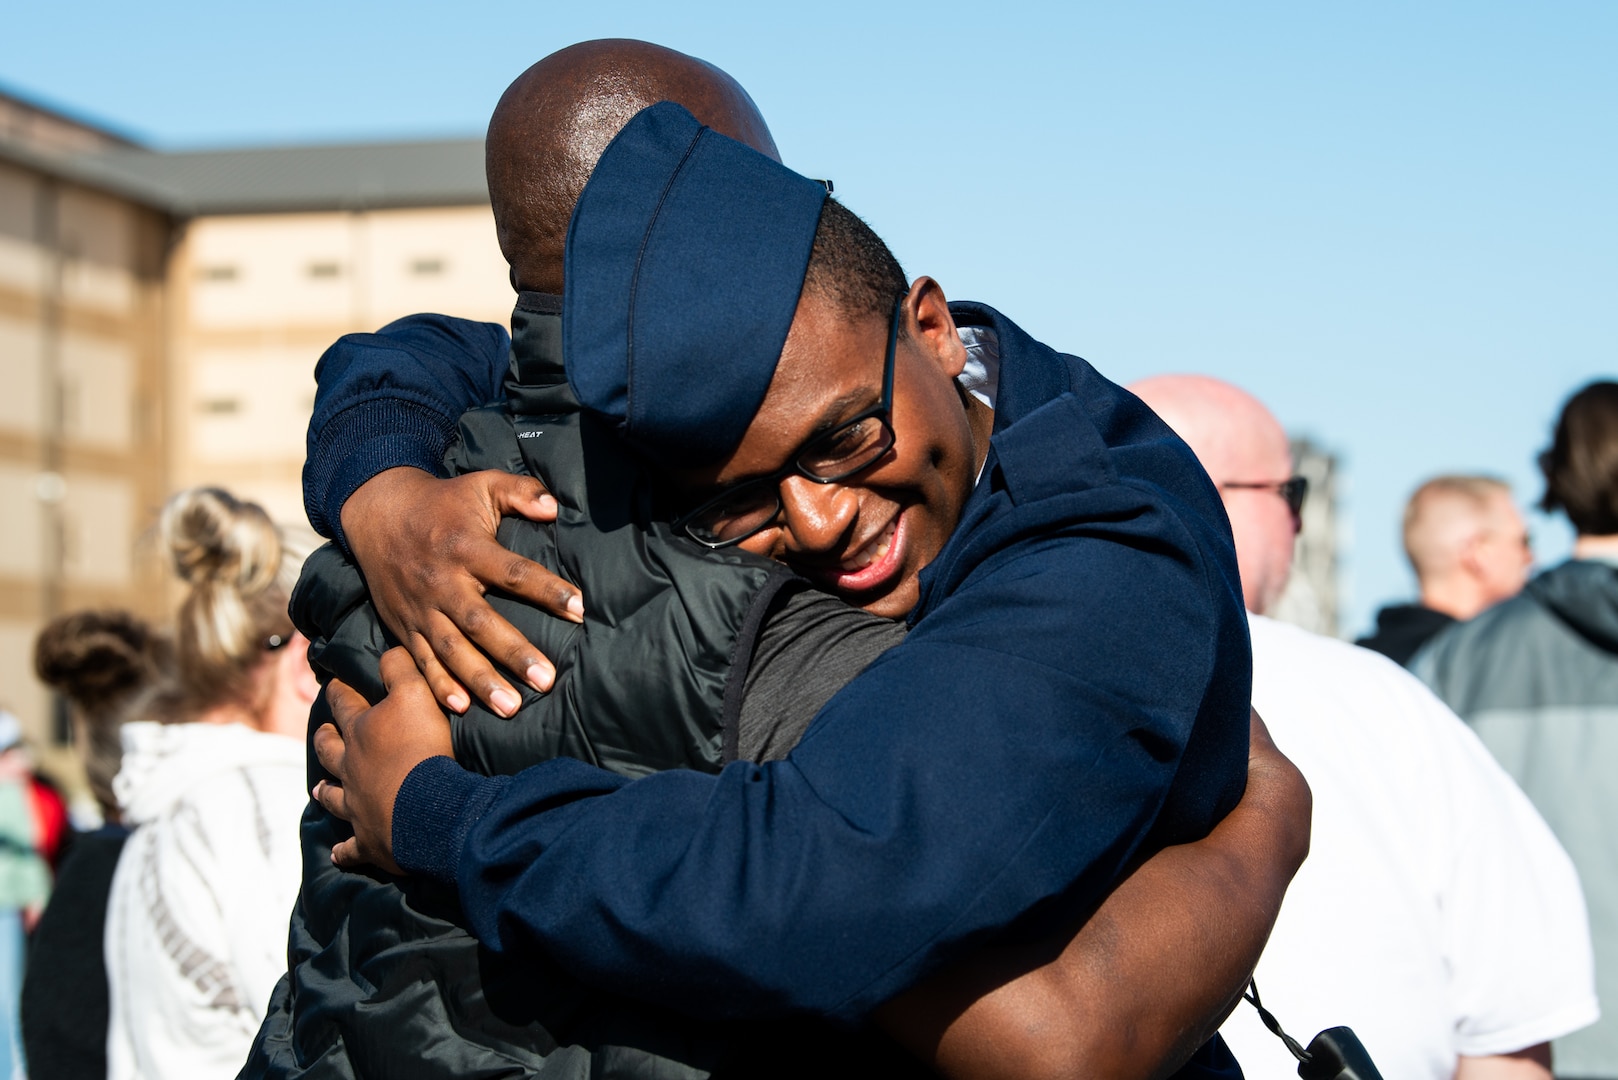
(738, 515)
(1294, 491)
(847, 450)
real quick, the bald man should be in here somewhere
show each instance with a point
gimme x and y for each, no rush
(1436, 914)
(381, 981)
(1469, 549)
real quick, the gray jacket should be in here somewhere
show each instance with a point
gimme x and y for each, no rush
(1537, 678)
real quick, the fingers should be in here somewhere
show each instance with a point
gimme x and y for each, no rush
(329, 747)
(498, 639)
(521, 495)
(345, 701)
(497, 568)
(332, 798)
(399, 674)
(465, 662)
(450, 693)
(351, 855)
(346, 855)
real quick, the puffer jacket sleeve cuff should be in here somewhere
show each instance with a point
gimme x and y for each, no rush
(436, 807)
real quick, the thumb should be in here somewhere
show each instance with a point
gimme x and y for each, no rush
(524, 496)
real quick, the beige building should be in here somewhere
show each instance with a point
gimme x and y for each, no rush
(161, 315)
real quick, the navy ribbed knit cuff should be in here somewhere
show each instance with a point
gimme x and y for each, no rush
(436, 807)
(363, 440)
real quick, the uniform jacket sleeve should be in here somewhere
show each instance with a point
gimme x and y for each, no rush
(1017, 749)
(392, 398)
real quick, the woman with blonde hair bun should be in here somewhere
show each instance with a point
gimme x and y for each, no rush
(212, 783)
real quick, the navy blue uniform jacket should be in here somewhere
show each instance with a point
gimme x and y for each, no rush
(1074, 693)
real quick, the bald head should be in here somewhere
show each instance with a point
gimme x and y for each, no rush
(1238, 441)
(1467, 544)
(553, 123)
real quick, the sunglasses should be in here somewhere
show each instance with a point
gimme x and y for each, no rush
(1294, 490)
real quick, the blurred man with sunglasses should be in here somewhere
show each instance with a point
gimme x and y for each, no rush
(1456, 933)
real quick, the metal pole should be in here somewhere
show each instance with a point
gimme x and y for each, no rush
(50, 486)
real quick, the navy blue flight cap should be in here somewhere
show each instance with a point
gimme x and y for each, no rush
(684, 261)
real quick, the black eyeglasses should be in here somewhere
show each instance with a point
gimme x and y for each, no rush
(751, 506)
(1294, 490)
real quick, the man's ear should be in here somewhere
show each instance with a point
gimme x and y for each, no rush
(1470, 559)
(932, 328)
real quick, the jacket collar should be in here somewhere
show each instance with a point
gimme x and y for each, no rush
(536, 381)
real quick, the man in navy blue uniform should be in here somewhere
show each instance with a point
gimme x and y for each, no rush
(1073, 692)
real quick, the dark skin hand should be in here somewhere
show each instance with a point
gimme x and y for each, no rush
(1106, 996)
(370, 750)
(428, 551)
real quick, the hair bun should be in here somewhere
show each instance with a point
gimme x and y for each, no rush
(97, 658)
(217, 539)
(230, 555)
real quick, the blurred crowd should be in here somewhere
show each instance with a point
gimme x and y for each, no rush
(164, 927)
(1458, 909)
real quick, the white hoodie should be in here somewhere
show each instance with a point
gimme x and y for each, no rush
(197, 918)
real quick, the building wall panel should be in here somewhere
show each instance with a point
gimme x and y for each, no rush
(22, 540)
(19, 690)
(251, 404)
(96, 235)
(98, 530)
(22, 401)
(271, 270)
(22, 265)
(98, 391)
(437, 260)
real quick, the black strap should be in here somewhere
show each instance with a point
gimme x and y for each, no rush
(1273, 1024)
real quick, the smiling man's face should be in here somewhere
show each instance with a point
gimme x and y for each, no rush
(865, 538)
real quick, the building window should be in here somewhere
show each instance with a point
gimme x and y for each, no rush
(427, 267)
(325, 269)
(218, 273)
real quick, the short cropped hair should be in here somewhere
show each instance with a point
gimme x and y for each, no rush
(852, 267)
(1581, 465)
(1429, 515)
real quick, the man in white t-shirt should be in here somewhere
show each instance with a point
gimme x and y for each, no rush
(1436, 915)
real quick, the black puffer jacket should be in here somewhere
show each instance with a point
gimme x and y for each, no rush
(384, 982)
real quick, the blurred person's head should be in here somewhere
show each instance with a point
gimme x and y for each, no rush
(1467, 544)
(101, 661)
(238, 658)
(1247, 455)
(553, 122)
(1581, 467)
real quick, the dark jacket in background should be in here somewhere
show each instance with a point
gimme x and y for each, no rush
(1537, 678)
(1402, 629)
(64, 994)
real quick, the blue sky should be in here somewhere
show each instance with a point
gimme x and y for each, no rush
(1394, 223)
